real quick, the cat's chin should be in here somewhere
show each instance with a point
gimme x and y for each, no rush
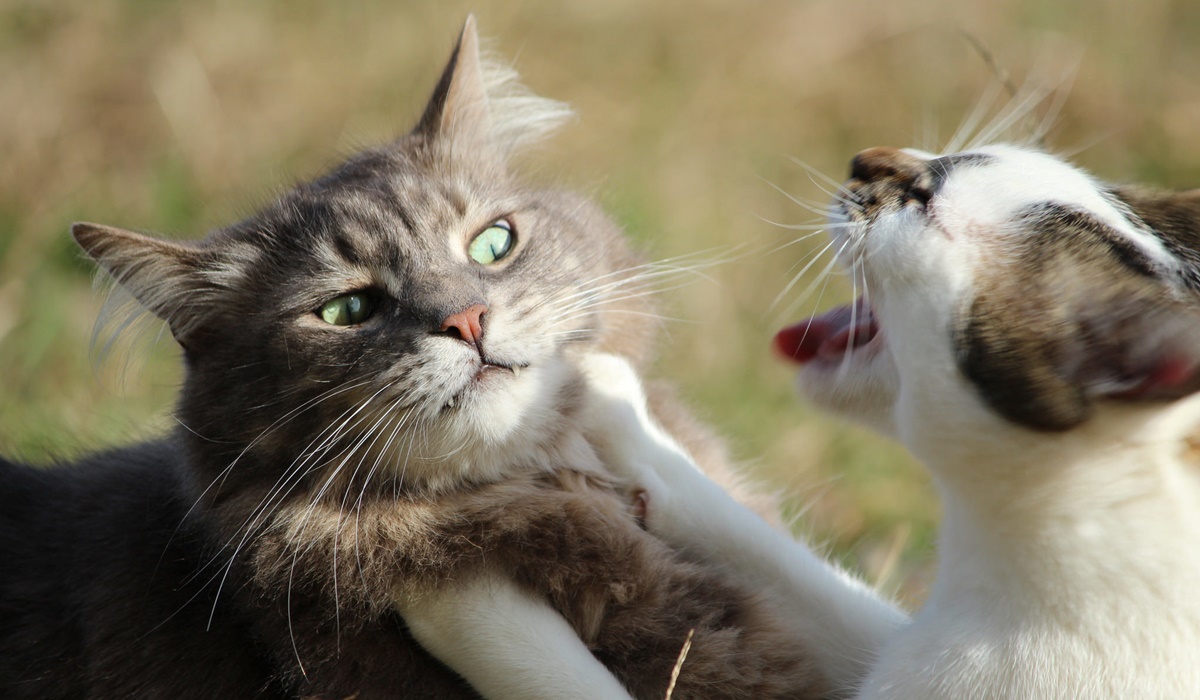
(845, 364)
(500, 407)
(484, 381)
(501, 423)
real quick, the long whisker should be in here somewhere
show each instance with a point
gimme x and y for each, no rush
(796, 277)
(821, 279)
(372, 433)
(584, 307)
(842, 195)
(291, 476)
(1054, 110)
(1015, 111)
(855, 270)
(837, 185)
(973, 119)
(278, 423)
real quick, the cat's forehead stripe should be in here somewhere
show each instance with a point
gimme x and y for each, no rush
(455, 197)
(1055, 218)
(400, 210)
(941, 168)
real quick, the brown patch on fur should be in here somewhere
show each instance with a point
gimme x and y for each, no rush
(1060, 320)
(1191, 450)
(568, 536)
(1175, 217)
(884, 179)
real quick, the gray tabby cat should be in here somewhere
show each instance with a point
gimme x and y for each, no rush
(382, 452)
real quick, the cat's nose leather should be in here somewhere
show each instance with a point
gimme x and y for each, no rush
(883, 161)
(466, 323)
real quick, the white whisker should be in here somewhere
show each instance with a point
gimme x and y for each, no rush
(962, 135)
(796, 277)
(821, 279)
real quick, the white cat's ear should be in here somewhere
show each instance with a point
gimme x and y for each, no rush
(166, 277)
(480, 104)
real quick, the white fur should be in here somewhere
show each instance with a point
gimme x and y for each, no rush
(1069, 561)
(1068, 573)
(508, 644)
(986, 197)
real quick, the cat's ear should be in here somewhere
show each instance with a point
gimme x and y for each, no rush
(1151, 355)
(479, 107)
(459, 107)
(1173, 216)
(1048, 373)
(166, 277)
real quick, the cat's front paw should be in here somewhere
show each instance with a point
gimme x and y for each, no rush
(678, 498)
(612, 377)
(616, 419)
(618, 425)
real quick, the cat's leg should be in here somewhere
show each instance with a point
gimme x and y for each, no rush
(843, 620)
(507, 643)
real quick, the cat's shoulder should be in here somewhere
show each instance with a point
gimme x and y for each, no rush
(93, 493)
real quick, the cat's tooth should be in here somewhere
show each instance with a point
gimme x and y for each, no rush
(450, 403)
(516, 371)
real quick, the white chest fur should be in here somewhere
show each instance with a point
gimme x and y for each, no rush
(1071, 570)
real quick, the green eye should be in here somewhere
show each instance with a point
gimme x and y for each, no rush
(346, 310)
(493, 244)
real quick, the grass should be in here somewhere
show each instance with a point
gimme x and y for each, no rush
(181, 116)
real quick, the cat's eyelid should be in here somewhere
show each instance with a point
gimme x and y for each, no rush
(375, 293)
(374, 296)
(504, 221)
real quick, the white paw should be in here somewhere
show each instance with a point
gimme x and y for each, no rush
(618, 424)
(612, 377)
(615, 416)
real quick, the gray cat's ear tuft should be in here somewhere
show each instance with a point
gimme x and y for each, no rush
(166, 277)
(479, 103)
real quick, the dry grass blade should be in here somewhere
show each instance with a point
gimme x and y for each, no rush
(678, 668)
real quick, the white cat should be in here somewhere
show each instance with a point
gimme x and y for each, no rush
(1033, 336)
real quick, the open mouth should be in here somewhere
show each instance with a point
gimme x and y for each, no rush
(832, 335)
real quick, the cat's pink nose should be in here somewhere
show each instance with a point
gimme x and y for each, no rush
(465, 324)
(882, 161)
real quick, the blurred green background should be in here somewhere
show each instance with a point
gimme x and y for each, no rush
(181, 116)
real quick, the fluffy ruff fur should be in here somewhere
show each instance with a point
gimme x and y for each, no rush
(569, 537)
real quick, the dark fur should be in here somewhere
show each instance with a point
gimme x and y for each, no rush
(242, 557)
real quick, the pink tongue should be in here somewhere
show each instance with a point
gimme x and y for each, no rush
(827, 335)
